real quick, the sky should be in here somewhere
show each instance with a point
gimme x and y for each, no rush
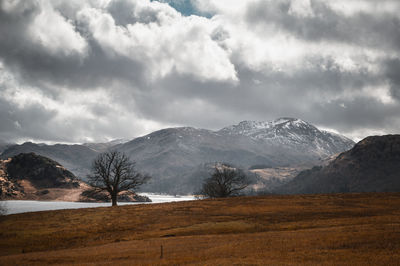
(77, 71)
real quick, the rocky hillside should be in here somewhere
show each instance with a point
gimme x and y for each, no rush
(372, 165)
(31, 176)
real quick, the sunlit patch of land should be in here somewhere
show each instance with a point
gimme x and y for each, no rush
(356, 229)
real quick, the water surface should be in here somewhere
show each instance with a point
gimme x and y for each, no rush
(20, 206)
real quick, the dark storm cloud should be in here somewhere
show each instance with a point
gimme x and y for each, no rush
(392, 71)
(277, 94)
(361, 112)
(379, 30)
(131, 66)
(29, 122)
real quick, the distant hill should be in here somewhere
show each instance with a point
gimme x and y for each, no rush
(372, 165)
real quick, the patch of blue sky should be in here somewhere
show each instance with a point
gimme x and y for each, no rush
(185, 7)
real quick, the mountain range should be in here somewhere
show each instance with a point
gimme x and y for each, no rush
(177, 158)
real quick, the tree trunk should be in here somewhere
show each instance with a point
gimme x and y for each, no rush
(114, 200)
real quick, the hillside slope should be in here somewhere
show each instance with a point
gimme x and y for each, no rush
(372, 165)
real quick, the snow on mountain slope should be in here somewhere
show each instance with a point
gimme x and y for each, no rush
(293, 133)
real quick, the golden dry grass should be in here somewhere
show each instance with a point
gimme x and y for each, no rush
(344, 229)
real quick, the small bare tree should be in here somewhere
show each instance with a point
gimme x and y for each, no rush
(224, 182)
(113, 172)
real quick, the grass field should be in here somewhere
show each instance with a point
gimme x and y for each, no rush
(334, 229)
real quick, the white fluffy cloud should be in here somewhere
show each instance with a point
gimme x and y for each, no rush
(54, 32)
(163, 40)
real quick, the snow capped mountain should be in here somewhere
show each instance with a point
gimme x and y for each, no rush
(293, 133)
(290, 127)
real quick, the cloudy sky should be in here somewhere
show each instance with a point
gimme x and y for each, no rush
(79, 71)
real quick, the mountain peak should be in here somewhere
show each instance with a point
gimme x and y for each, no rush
(290, 132)
(252, 124)
(247, 127)
(286, 120)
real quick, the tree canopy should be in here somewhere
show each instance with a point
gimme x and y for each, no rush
(224, 182)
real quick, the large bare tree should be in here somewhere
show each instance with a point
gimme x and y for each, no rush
(113, 172)
(224, 182)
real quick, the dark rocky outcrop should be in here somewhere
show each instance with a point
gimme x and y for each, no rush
(30, 176)
(41, 171)
(372, 165)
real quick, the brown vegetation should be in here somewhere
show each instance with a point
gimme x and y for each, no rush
(357, 229)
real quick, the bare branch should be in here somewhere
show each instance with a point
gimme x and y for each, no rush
(224, 182)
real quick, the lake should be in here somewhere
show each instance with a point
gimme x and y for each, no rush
(20, 206)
